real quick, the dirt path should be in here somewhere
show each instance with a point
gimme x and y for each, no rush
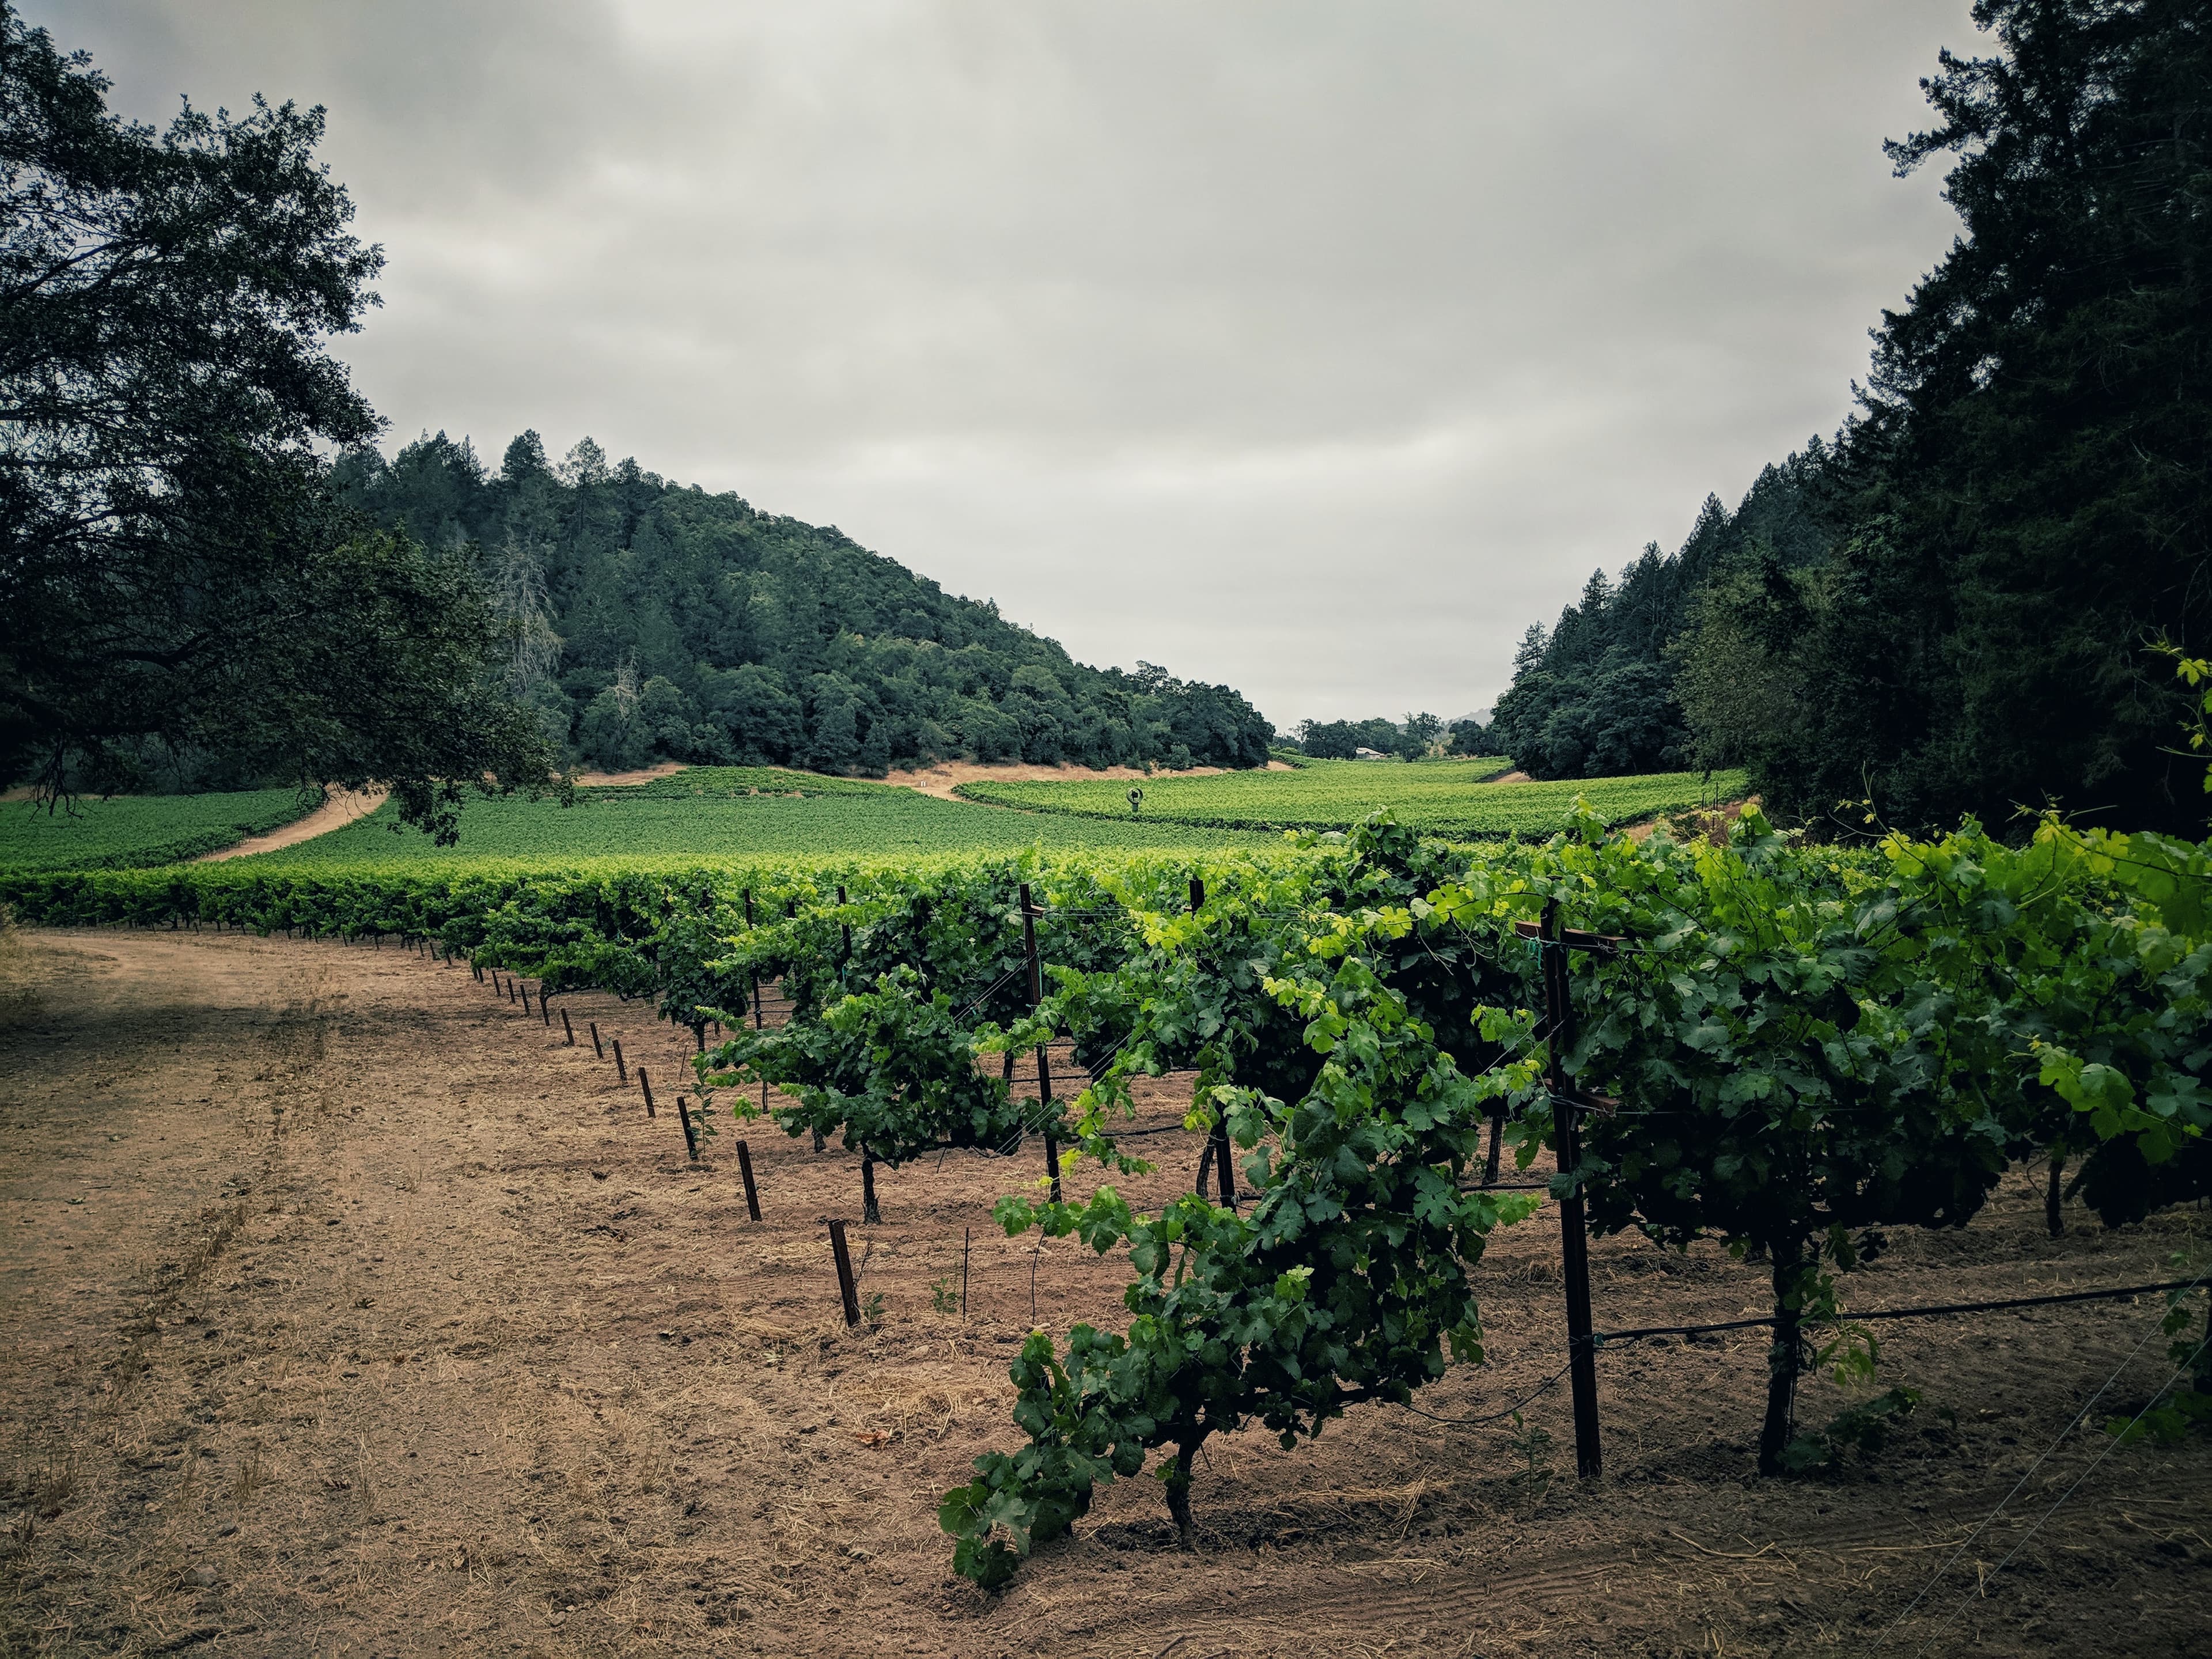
(344, 1310)
(340, 808)
(643, 775)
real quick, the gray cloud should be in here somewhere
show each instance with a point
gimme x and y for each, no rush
(1317, 349)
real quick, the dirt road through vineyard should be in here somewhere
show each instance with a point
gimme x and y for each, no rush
(347, 1310)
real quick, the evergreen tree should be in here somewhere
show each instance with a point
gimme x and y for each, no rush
(2026, 484)
(1596, 695)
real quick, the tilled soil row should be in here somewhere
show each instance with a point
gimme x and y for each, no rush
(349, 1310)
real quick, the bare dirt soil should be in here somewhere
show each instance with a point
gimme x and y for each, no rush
(347, 1310)
(643, 775)
(340, 807)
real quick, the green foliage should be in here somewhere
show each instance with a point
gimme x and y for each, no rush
(2022, 502)
(891, 1070)
(1414, 737)
(664, 825)
(2176, 1410)
(694, 781)
(1597, 696)
(125, 831)
(1441, 798)
(696, 627)
(1795, 1071)
(897, 995)
(1533, 1447)
(2096, 950)
(943, 1298)
(1865, 1427)
(178, 576)
(1809, 1047)
(1347, 1280)
(1946, 611)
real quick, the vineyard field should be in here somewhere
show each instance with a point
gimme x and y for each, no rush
(694, 781)
(683, 1368)
(1443, 797)
(666, 823)
(133, 831)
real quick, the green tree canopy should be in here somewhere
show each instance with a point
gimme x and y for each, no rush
(696, 626)
(1950, 610)
(177, 569)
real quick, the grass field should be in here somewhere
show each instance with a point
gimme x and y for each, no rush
(131, 831)
(1447, 798)
(696, 780)
(664, 821)
(714, 813)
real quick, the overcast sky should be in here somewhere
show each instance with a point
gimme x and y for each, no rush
(1317, 348)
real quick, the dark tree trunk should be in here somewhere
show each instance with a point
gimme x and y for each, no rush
(1782, 1361)
(1497, 1137)
(1178, 1485)
(869, 1213)
(2054, 1196)
(2204, 1353)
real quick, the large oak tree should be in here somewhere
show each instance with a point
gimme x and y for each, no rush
(174, 568)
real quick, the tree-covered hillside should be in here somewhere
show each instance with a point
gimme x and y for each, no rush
(647, 620)
(1971, 601)
(1596, 695)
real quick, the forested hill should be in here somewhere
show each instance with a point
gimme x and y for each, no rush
(1991, 593)
(648, 620)
(1597, 695)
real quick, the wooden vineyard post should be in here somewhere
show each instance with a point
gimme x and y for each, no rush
(758, 1024)
(1225, 1172)
(567, 1030)
(1044, 1065)
(1568, 1103)
(598, 1048)
(690, 1131)
(745, 1170)
(790, 910)
(966, 1238)
(621, 1070)
(644, 1083)
(525, 995)
(510, 988)
(545, 1010)
(846, 1287)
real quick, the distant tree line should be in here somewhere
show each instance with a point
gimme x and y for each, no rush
(1967, 602)
(1411, 739)
(645, 620)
